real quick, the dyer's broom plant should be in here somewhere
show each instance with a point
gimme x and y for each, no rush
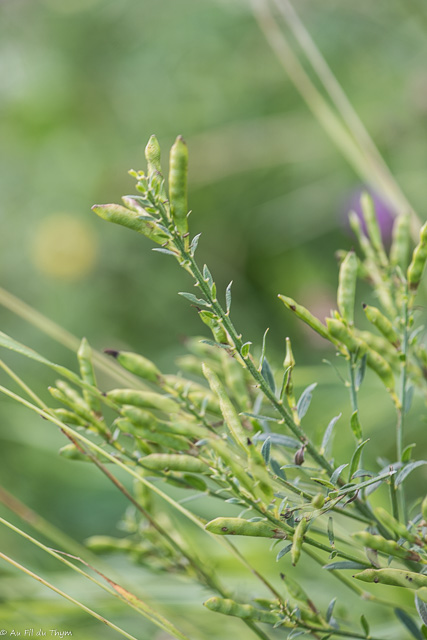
(229, 426)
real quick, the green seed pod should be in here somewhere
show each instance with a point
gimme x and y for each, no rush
(347, 287)
(71, 452)
(229, 458)
(87, 372)
(373, 359)
(394, 577)
(227, 408)
(152, 434)
(424, 509)
(138, 417)
(174, 462)
(126, 218)
(217, 329)
(419, 258)
(383, 370)
(294, 589)
(69, 417)
(289, 365)
(382, 323)
(389, 547)
(363, 241)
(107, 544)
(147, 420)
(144, 400)
(380, 345)
(166, 440)
(72, 395)
(262, 482)
(318, 501)
(152, 155)
(394, 525)
(306, 316)
(178, 164)
(369, 214)
(241, 527)
(187, 429)
(297, 540)
(136, 364)
(195, 392)
(341, 333)
(80, 408)
(244, 611)
(401, 241)
(235, 381)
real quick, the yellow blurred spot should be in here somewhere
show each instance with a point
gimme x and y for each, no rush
(64, 247)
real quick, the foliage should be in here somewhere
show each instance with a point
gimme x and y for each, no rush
(228, 425)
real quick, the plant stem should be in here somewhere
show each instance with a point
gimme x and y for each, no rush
(403, 397)
(344, 107)
(353, 390)
(45, 528)
(67, 597)
(64, 337)
(133, 601)
(187, 260)
(76, 436)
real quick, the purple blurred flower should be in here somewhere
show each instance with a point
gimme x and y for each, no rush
(384, 213)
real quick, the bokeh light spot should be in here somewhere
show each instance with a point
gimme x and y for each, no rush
(64, 247)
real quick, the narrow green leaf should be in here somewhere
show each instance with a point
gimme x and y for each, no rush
(228, 410)
(261, 360)
(278, 438)
(168, 252)
(407, 452)
(245, 349)
(354, 464)
(258, 416)
(408, 622)
(421, 608)
(330, 609)
(344, 564)
(331, 531)
(384, 473)
(402, 475)
(211, 343)
(361, 473)
(197, 301)
(355, 425)
(9, 343)
(207, 276)
(265, 450)
(328, 433)
(324, 483)
(275, 466)
(267, 374)
(283, 552)
(336, 474)
(228, 297)
(194, 243)
(365, 625)
(305, 400)
(360, 372)
(408, 398)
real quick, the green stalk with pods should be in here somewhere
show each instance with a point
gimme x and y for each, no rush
(231, 427)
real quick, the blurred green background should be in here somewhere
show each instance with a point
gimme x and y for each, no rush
(83, 84)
